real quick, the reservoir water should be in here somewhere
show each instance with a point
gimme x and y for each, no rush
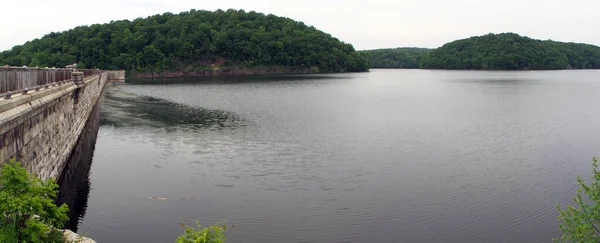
(384, 156)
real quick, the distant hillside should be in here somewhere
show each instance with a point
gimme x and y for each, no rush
(505, 51)
(405, 57)
(192, 41)
(512, 52)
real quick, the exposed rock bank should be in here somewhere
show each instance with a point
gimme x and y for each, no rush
(225, 71)
(72, 237)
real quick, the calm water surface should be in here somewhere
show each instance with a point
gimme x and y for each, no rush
(385, 156)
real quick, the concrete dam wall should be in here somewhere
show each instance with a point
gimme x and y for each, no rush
(40, 128)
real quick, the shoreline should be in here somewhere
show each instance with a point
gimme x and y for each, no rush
(226, 71)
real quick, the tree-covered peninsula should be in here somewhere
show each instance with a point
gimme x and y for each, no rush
(404, 57)
(206, 42)
(506, 51)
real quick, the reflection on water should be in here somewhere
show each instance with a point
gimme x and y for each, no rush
(233, 79)
(128, 109)
(74, 181)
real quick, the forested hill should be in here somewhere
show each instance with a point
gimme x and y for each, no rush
(510, 51)
(406, 57)
(506, 51)
(190, 41)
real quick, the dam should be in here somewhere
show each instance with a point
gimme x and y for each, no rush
(43, 112)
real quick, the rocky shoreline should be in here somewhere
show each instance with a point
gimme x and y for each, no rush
(73, 237)
(226, 71)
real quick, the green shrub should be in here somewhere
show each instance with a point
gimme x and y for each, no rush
(27, 209)
(580, 223)
(8, 233)
(211, 234)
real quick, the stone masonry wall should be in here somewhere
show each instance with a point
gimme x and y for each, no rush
(43, 129)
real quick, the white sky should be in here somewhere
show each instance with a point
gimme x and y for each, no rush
(367, 24)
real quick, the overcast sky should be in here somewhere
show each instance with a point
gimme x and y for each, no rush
(367, 24)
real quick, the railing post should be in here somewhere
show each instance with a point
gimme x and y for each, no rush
(77, 77)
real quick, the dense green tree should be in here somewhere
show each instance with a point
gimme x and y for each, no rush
(510, 51)
(195, 38)
(395, 58)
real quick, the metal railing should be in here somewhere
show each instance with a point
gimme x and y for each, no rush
(22, 79)
(89, 72)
